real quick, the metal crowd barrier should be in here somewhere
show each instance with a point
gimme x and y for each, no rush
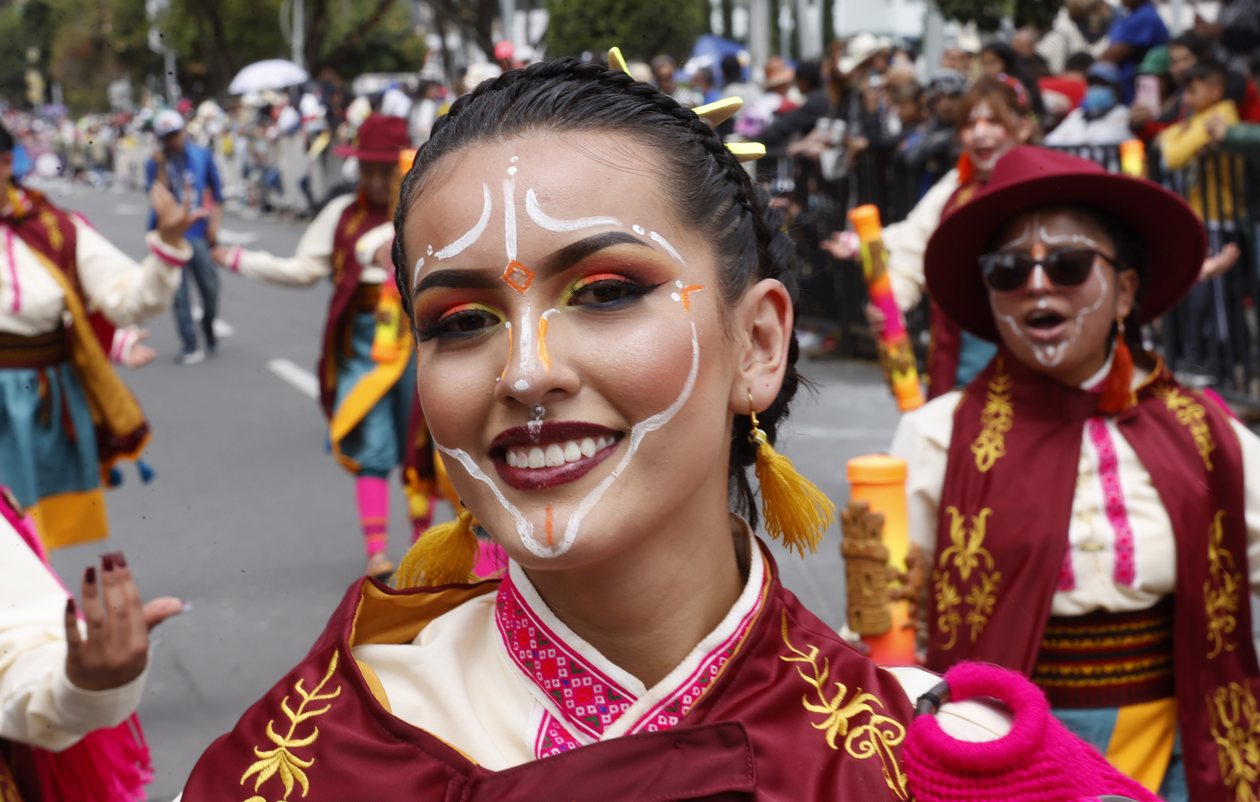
(1212, 338)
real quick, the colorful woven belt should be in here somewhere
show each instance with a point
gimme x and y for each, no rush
(1107, 659)
(40, 351)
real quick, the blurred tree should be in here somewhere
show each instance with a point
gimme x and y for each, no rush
(24, 26)
(474, 19)
(641, 28)
(988, 14)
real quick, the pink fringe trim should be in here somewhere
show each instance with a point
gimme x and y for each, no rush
(111, 765)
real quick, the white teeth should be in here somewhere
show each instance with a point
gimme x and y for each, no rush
(555, 456)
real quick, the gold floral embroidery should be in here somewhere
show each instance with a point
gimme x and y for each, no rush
(1191, 414)
(1221, 590)
(8, 786)
(1235, 727)
(996, 420)
(947, 599)
(965, 554)
(866, 733)
(50, 223)
(281, 760)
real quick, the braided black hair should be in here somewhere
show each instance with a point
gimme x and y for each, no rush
(709, 187)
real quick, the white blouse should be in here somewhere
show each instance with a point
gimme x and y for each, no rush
(32, 303)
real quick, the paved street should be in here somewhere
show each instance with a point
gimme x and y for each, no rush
(253, 523)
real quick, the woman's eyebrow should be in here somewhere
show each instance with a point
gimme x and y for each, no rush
(558, 262)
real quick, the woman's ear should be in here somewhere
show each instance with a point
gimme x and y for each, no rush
(1127, 283)
(765, 319)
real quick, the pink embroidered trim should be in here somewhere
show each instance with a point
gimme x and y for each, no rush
(1067, 577)
(553, 739)
(1113, 501)
(13, 276)
(161, 253)
(670, 710)
(590, 701)
(121, 344)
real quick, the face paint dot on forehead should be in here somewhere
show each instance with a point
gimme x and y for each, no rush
(429, 250)
(511, 171)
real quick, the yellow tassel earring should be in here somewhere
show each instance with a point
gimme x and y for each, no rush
(796, 512)
(444, 555)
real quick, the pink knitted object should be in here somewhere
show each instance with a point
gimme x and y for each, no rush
(1039, 760)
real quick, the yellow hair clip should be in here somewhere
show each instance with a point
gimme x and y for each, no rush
(714, 113)
(616, 61)
(719, 111)
(747, 151)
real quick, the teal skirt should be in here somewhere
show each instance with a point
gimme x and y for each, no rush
(379, 442)
(47, 441)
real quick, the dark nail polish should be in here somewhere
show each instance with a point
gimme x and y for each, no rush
(120, 560)
(89, 575)
(107, 562)
(70, 606)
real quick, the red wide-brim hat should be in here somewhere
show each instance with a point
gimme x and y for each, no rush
(1173, 241)
(380, 139)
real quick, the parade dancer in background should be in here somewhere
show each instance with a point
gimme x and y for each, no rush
(366, 372)
(1091, 522)
(188, 171)
(65, 416)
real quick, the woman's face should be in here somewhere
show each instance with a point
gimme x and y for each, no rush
(574, 366)
(985, 138)
(991, 65)
(1062, 331)
(1180, 59)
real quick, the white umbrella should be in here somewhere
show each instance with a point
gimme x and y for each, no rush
(274, 73)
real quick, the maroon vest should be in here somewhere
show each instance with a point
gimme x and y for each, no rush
(357, 218)
(1005, 511)
(796, 714)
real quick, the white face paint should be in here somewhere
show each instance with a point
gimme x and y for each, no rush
(524, 528)
(1051, 355)
(530, 356)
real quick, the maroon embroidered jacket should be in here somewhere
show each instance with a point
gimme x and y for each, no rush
(796, 714)
(1005, 511)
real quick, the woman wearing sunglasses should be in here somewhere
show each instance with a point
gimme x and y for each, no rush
(1091, 522)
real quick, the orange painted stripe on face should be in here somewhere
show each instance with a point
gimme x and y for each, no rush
(685, 294)
(551, 525)
(543, 356)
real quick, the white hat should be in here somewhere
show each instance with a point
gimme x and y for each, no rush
(859, 50)
(168, 122)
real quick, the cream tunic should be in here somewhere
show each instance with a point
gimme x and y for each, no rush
(923, 438)
(32, 303)
(313, 259)
(38, 704)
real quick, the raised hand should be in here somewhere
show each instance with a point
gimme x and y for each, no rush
(139, 354)
(173, 218)
(116, 648)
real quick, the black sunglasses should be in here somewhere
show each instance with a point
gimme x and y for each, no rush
(1006, 271)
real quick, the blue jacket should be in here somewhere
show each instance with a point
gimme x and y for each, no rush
(193, 167)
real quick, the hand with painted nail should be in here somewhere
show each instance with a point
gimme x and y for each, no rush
(115, 649)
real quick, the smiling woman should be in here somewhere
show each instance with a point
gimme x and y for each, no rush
(604, 313)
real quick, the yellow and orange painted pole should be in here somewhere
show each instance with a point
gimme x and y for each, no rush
(896, 353)
(1133, 158)
(880, 481)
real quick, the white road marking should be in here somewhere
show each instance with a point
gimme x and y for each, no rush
(221, 327)
(300, 378)
(229, 237)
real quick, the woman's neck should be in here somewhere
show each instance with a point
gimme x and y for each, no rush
(647, 607)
